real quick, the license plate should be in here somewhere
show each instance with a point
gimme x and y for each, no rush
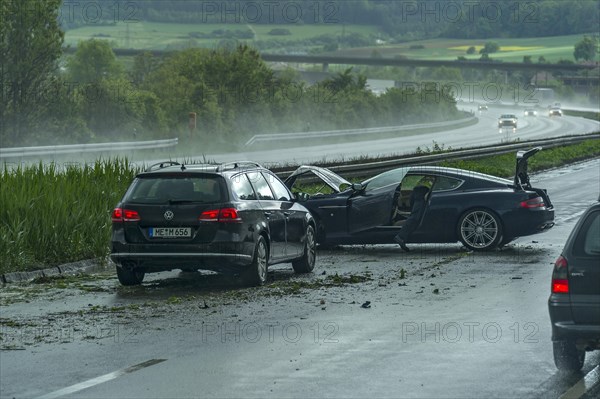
(170, 232)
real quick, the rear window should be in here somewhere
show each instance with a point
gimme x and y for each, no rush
(241, 187)
(443, 183)
(280, 190)
(588, 238)
(160, 190)
(261, 186)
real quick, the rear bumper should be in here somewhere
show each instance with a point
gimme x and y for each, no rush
(568, 330)
(585, 336)
(565, 329)
(217, 257)
(526, 222)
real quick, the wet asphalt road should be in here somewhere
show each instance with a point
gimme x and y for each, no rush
(440, 322)
(485, 132)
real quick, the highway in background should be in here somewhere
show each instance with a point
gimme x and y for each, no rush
(485, 132)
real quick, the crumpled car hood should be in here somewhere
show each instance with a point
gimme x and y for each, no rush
(330, 178)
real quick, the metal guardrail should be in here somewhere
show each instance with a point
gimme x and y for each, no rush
(351, 132)
(23, 152)
(372, 168)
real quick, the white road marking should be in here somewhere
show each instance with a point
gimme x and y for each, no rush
(578, 390)
(99, 380)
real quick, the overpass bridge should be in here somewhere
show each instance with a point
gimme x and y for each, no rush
(326, 60)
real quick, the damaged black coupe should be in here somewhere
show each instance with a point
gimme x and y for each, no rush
(481, 211)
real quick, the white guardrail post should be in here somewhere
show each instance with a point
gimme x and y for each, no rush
(23, 152)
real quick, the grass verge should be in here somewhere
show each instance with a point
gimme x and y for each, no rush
(51, 215)
(595, 116)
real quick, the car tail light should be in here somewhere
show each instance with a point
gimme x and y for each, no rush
(223, 215)
(536, 202)
(125, 215)
(209, 216)
(229, 215)
(560, 276)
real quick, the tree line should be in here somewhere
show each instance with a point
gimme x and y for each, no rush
(400, 20)
(48, 98)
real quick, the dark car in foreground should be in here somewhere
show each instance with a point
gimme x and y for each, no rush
(574, 303)
(481, 211)
(235, 217)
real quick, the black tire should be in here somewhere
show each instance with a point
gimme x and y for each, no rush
(256, 273)
(504, 241)
(306, 263)
(320, 235)
(130, 277)
(480, 229)
(567, 357)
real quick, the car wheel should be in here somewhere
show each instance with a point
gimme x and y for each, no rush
(256, 273)
(130, 277)
(567, 357)
(306, 263)
(480, 230)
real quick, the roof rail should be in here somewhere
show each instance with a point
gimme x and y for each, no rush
(161, 165)
(237, 164)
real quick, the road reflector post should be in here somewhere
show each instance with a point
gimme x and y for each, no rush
(192, 123)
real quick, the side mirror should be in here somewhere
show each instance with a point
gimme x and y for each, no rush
(358, 187)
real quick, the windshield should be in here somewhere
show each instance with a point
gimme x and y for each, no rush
(331, 179)
(394, 176)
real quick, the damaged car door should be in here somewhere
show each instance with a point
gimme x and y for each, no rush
(372, 205)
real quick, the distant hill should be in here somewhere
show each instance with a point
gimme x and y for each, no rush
(398, 20)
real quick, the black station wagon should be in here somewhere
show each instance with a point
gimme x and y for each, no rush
(574, 302)
(236, 217)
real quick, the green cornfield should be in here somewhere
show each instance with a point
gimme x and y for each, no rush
(52, 214)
